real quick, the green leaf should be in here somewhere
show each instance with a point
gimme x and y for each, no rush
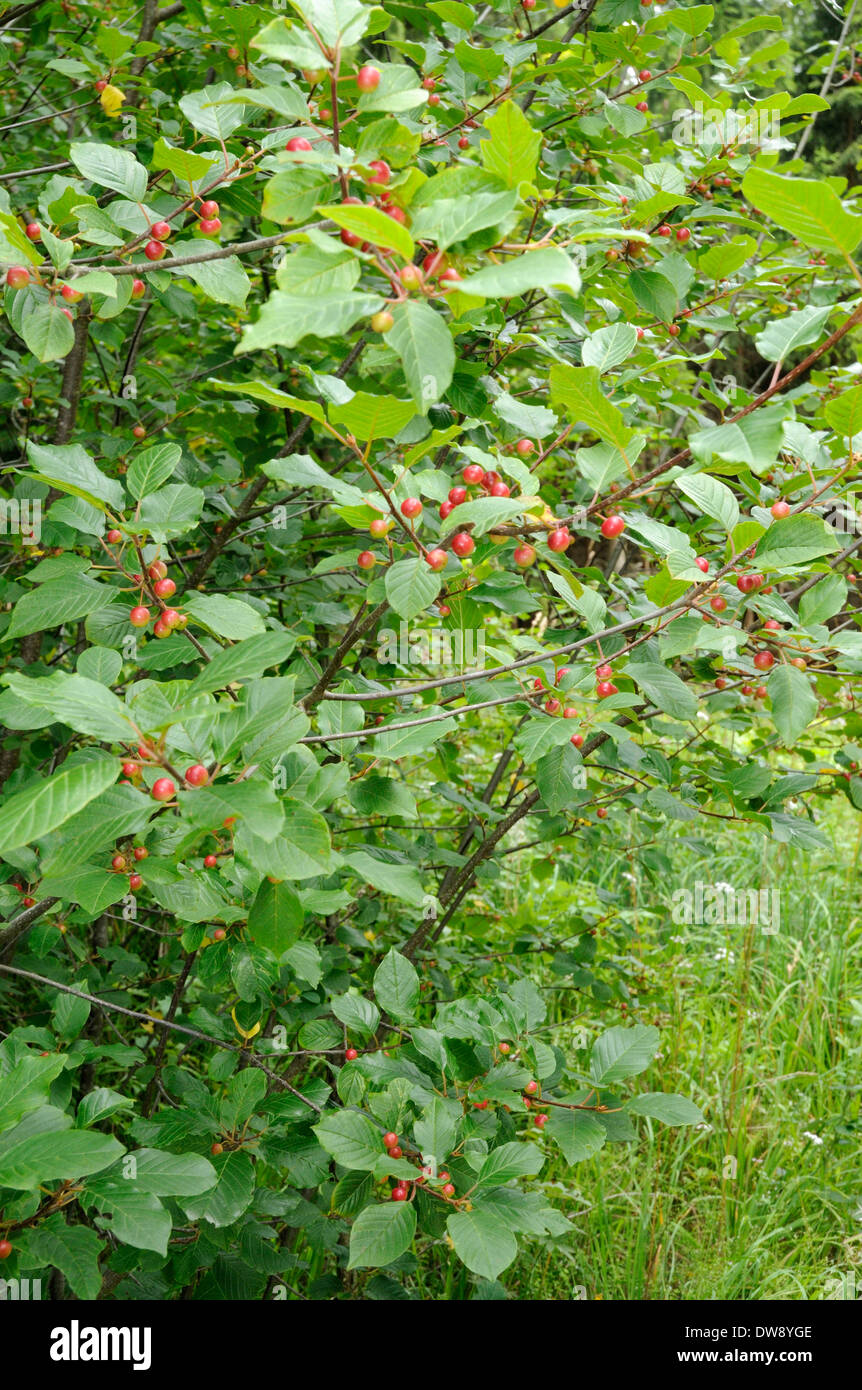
(654, 293)
(352, 1139)
(373, 417)
(275, 918)
(484, 1242)
(781, 336)
(25, 1087)
(285, 319)
(185, 164)
(205, 113)
(232, 1193)
(436, 1131)
(46, 330)
(151, 468)
(358, 1014)
(411, 585)
(508, 1161)
(270, 395)
(172, 511)
(226, 617)
(809, 209)
(672, 1110)
(59, 1154)
(74, 1250)
(134, 1218)
(396, 985)
(381, 1233)
(424, 344)
(291, 196)
(549, 266)
(446, 221)
(794, 541)
(84, 705)
(794, 703)
(30, 814)
(248, 659)
(622, 1052)
(664, 688)
(373, 226)
(110, 167)
(578, 390)
(713, 498)
(71, 469)
(608, 347)
(844, 412)
(512, 152)
(578, 1133)
(223, 280)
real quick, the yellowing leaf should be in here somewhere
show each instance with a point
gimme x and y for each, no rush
(111, 99)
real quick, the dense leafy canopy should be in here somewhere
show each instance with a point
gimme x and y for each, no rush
(432, 438)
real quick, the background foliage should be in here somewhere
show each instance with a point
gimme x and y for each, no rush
(278, 879)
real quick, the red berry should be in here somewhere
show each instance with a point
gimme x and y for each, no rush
(531, 1088)
(464, 143)
(130, 769)
(209, 226)
(114, 537)
(524, 556)
(17, 276)
(448, 1189)
(433, 99)
(298, 142)
(437, 559)
(135, 882)
(644, 75)
(577, 740)
(5, 1249)
(552, 705)
(101, 84)
(390, 1140)
(429, 83)
(613, 526)
(780, 509)
(154, 250)
(139, 289)
(673, 330)
(524, 447)
(210, 861)
(157, 570)
(604, 672)
(559, 539)
(500, 489)
(139, 617)
(764, 661)
(395, 1152)
(449, 276)
(747, 689)
(380, 526)
(542, 1120)
(445, 508)
(720, 682)
(34, 231)
(350, 238)
(702, 564)
(411, 507)
(351, 1054)
(457, 495)
(399, 1194)
(382, 173)
(140, 852)
(683, 234)
(641, 106)
(118, 862)
(718, 604)
(366, 560)
(161, 230)
(411, 276)
(164, 588)
(161, 628)
(463, 544)
(197, 775)
(217, 1148)
(760, 693)
(209, 208)
(71, 295)
(664, 230)
(163, 789)
(368, 79)
(473, 474)
(604, 689)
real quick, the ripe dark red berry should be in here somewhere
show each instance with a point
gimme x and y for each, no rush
(702, 564)
(154, 250)
(140, 852)
(163, 789)
(209, 208)
(17, 276)
(135, 882)
(463, 544)
(164, 588)
(437, 559)
(560, 539)
(297, 142)
(613, 526)
(210, 861)
(411, 507)
(399, 1194)
(197, 775)
(5, 1249)
(473, 474)
(390, 1140)
(34, 231)
(764, 661)
(351, 1054)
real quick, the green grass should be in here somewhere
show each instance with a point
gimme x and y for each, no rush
(764, 1032)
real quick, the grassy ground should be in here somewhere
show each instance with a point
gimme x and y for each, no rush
(764, 1032)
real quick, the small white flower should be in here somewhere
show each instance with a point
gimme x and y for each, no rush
(815, 1138)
